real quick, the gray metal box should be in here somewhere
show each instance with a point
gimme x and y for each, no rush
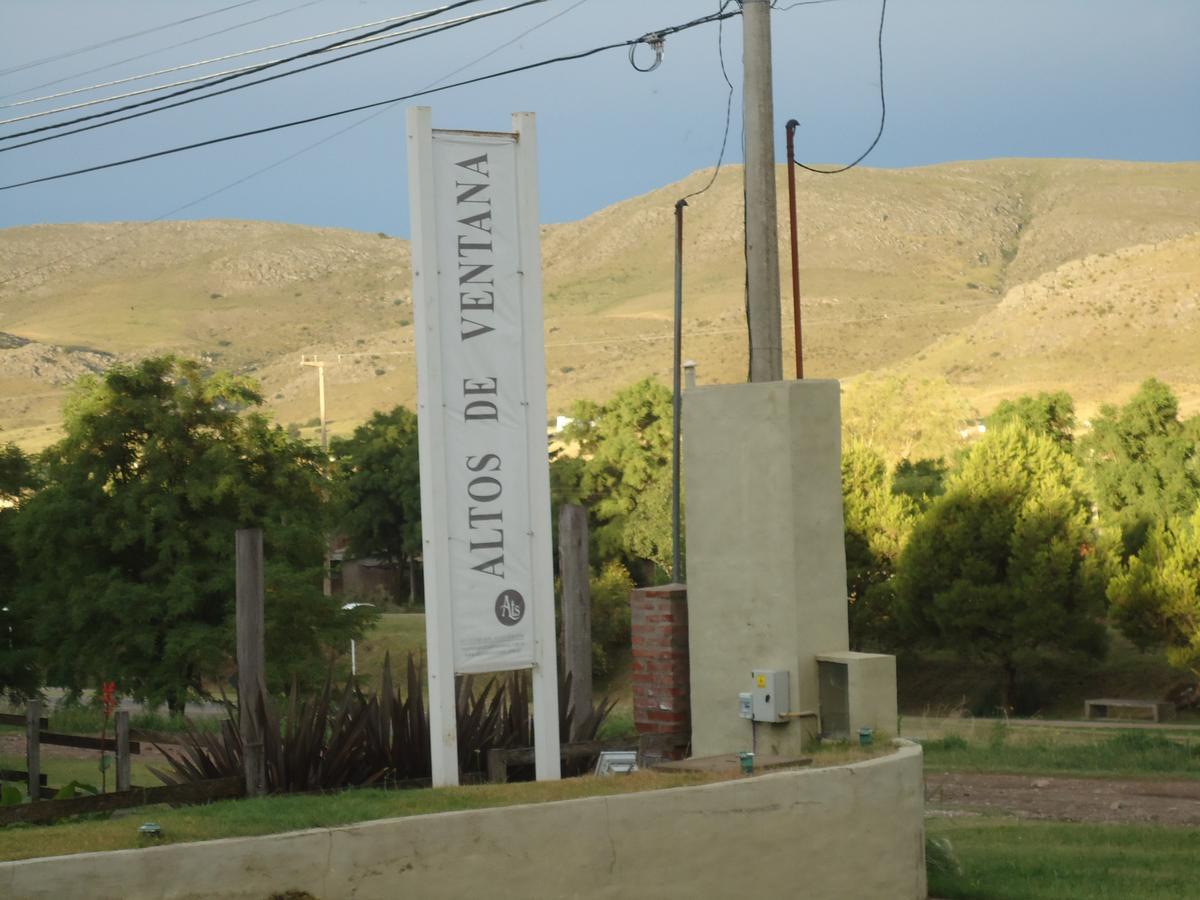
(769, 693)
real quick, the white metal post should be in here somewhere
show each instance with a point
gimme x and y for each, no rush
(439, 646)
(545, 661)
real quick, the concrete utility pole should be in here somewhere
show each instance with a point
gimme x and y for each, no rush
(762, 238)
(320, 367)
(319, 364)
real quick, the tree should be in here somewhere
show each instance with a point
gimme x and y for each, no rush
(920, 480)
(1007, 560)
(622, 472)
(378, 487)
(1050, 414)
(1144, 462)
(127, 553)
(1155, 599)
(18, 670)
(878, 521)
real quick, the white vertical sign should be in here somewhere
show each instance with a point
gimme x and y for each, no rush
(481, 384)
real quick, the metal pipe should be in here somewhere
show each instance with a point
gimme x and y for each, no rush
(791, 170)
(677, 400)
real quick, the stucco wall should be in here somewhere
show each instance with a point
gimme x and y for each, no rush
(852, 831)
(766, 551)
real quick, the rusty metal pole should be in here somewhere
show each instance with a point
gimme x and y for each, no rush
(791, 170)
(677, 405)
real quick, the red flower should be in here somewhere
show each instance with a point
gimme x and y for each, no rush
(108, 697)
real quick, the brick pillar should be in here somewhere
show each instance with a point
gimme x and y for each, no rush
(661, 677)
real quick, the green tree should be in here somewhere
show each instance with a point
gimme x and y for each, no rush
(1050, 414)
(18, 670)
(920, 480)
(878, 521)
(127, 553)
(1155, 599)
(1144, 462)
(378, 488)
(1007, 560)
(622, 472)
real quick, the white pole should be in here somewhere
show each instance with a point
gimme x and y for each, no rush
(545, 661)
(431, 441)
(353, 659)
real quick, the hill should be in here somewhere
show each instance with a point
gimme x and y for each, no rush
(926, 278)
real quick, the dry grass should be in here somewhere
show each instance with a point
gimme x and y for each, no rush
(904, 271)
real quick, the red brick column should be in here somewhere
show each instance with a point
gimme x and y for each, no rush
(661, 688)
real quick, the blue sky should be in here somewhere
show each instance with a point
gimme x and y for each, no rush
(966, 79)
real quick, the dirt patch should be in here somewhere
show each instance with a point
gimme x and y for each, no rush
(1065, 799)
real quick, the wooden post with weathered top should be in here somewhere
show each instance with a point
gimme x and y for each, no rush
(33, 748)
(250, 656)
(124, 780)
(576, 608)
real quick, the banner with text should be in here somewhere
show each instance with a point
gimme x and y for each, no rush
(478, 388)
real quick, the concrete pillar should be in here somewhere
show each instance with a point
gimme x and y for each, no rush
(766, 558)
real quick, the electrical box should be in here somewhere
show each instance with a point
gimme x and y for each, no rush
(769, 695)
(746, 705)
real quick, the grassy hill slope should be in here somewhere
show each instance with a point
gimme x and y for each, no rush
(900, 270)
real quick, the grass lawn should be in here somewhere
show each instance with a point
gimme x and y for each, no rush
(269, 815)
(395, 633)
(1007, 859)
(1081, 753)
(61, 770)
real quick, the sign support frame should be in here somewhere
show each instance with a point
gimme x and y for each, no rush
(432, 442)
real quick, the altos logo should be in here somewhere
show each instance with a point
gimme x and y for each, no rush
(510, 607)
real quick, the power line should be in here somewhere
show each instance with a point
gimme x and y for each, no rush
(882, 108)
(414, 17)
(157, 50)
(212, 76)
(286, 159)
(180, 68)
(66, 54)
(728, 105)
(703, 20)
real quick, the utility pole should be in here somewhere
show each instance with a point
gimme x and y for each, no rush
(762, 237)
(319, 364)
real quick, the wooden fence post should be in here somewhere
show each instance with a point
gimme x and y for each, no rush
(33, 747)
(123, 762)
(250, 662)
(576, 609)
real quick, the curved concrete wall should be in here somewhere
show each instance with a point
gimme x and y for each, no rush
(851, 831)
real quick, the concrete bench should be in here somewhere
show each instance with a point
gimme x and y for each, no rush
(1103, 709)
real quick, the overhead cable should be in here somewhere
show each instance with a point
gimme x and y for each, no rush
(157, 50)
(414, 17)
(728, 107)
(213, 77)
(66, 54)
(297, 153)
(583, 54)
(192, 65)
(882, 111)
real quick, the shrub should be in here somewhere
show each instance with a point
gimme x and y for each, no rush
(610, 614)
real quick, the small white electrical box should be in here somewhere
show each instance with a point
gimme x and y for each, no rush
(746, 705)
(769, 695)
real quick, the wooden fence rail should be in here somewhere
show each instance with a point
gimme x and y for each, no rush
(175, 794)
(18, 719)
